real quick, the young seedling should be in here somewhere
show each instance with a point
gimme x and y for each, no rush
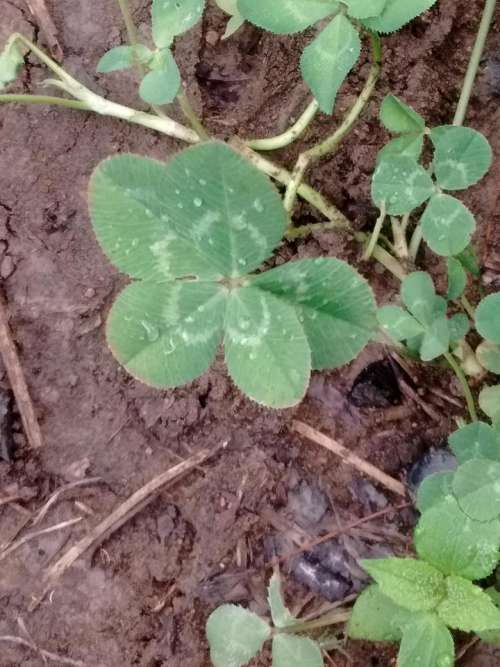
(236, 635)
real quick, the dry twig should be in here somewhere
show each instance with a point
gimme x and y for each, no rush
(39, 10)
(123, 513)
(38, 533)
(62, 660)
(17, 380)
(348, 457)
(57, 494)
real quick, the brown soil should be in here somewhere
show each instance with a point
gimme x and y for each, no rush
(143, 597)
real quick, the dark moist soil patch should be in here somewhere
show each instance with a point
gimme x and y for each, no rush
(144, 596)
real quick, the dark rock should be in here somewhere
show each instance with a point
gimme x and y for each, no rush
(435, 460)
(376, 386)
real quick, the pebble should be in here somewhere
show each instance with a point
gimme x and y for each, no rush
(212, 37)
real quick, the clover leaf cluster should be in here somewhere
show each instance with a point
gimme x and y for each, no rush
(193, 233)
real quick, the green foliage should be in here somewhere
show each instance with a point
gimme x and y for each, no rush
(191, 232)
(462, 156)
(488, 318)
(123, 57)
(433, 489)
(427, 637)
(396, 14)
(488, 355)
(475, 441)
(454, 543)
(457, 278)
(447, 225)
(236, 20)
(476, 486)
(172, 18)
(399, 118)
(335, 50)
(401, 184)
(279, 613)
(424, 324)
(161, 85)
(11, 61)
(467, 607)
(295, 651)
(235, 635)
(489, 402)
(332, 54)
(376, 617)
(412, 584)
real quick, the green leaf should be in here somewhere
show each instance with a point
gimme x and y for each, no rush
(207, 213)
(468, 608)
(396, 14)
(288, 16)
(363, 9)
(257, 325)
(401, 183)
(488, 355)
(436, 340)
(167, 334)
(433, 490)
(11, 61)
(294, 651)
(427, 641)
(468, 259)
(476, 486)
(233, 25)
(174, 17)
(419, 296)
(492, 636)
(459, 327)
(161, 85)
(488, 318)
(475, 441)
(279, 613)
(489, 402)
(447, 225)
(334, 304)
(376, 617)
(413, 584)
(454, 543)
(399, 324)
(462, 156)
(327, 61)
(122, 57)
(457, 278)
(408, 145)
(399, 118)
(235, 635)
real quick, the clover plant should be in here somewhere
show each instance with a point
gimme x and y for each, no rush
(196, 236)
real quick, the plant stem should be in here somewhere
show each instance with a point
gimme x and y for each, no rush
(131, 31)
(45, 99)
(475, 59)
(323, 622)
(468, 307)
(415, 242)
(399, 228)
(331, 143)
(288, 137)
(465, 385)
(376, 233)
(191, 115)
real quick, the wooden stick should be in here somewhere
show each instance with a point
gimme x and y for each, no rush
(61, 659)
(123, 513)
(39, 10)
(348, 457)
(17, 380)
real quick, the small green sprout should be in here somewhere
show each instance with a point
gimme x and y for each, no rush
(236, 635)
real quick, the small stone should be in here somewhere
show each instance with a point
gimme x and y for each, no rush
(211, 37)
(90, 324)
(89, 293)
(7, 267)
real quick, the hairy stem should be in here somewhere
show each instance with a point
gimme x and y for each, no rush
(399, 228)
(331, 143)
(288, 137)
(415, 242)
(376, 233)
(45, 99)
(475, 59)
(191, 116)
(465, 385)
(468, 307)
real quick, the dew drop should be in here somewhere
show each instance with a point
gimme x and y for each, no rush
(258, 206)
(197, 202)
